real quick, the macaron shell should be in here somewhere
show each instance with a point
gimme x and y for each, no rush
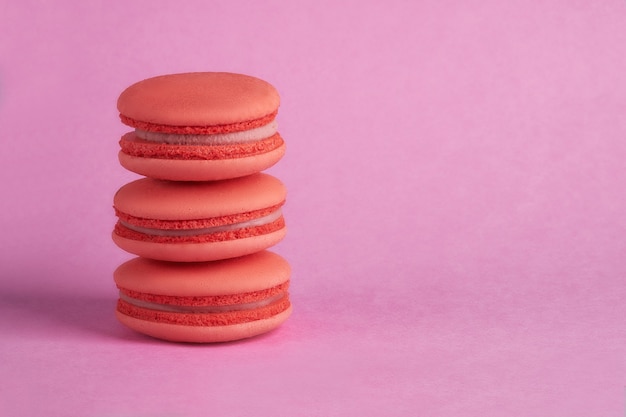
(255, 272)
(199, 252)
(169, 200)
(201, 170)
(201, 334)
(198, 99)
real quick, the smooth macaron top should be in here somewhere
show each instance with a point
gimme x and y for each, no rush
(197, 99)
(256, 272)
(167, 200)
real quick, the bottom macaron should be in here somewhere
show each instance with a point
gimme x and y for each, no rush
(204, 302)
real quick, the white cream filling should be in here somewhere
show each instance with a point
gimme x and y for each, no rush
(251, 135)
(207, 230)
(199, 309)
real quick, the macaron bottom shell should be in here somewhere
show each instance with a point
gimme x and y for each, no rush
(204, 334)
(199, 252)
(200, 170)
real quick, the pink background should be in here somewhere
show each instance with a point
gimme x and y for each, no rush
(457, 211)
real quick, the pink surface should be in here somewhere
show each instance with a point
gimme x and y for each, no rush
(456, 209)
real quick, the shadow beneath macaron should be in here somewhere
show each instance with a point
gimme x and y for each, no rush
(58, 315)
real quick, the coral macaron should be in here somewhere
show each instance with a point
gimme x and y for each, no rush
(199, 221)
(200, 126)
(204, 302)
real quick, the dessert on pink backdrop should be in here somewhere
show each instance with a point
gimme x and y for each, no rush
(455, 208)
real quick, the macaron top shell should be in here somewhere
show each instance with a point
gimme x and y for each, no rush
(166, 200)
(198, 99)
(256, 272)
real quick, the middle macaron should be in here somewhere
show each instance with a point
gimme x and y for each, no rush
(199, 221)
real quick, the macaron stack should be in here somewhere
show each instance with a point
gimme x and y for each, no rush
(203, 217)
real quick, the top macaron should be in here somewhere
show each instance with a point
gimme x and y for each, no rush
(200, 126)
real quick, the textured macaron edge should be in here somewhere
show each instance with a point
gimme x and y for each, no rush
(204, 334)
(201, 170)
(221, 236)
(199, 251)
(202, 223)
(205, 319)
(207, 300)
(132, 145)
